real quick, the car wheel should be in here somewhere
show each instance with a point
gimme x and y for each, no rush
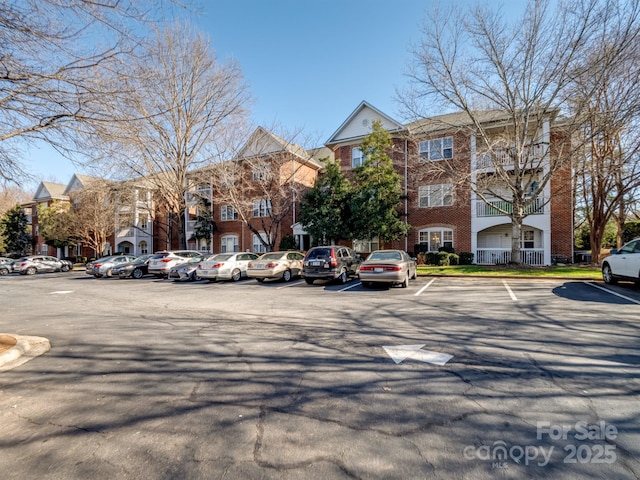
(4, 271)
(236, 275)
(196, 277)
(309, 281)
(137, 273)
(108, 273)
(286, 275)
(415, 274)
(343, 277)
(607, 275)
(405, 282)
(97, 275)
(65, 268)
(259, 280)
(31, 271)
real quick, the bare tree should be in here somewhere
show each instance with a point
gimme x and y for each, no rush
(263, 184)
(52, 53)
(94, 209)
(510, 82)
(180, 103)
(608, 166)
(10, 196)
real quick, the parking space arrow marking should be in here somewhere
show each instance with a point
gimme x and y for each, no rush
(401, 353)
(61, 292)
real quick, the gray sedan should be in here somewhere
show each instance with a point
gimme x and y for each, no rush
(388, 266)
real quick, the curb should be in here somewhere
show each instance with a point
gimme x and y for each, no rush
(26, 348)
(528, 277)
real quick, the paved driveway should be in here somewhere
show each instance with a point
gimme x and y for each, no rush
(152, 379)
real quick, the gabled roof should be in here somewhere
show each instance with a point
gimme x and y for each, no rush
(263, 142)
(79, 181)
(358, 124)
(50, 191)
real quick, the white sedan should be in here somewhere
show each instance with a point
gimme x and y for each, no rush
(623, 264)
(225, 266)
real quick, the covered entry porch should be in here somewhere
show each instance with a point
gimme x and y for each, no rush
(493, 246)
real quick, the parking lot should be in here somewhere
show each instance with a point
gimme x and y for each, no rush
(449, 378)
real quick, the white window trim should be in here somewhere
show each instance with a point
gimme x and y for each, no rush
(224, 243)
(256, 244)
(357, 160)
(366, 245)
(261, 207)
(224, 213)
(440, 230)
(425, 191)
(425, 148)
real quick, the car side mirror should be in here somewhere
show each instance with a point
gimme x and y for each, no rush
(613, 252)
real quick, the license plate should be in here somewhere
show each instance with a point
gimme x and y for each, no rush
(259, 267)
(316, 263)
(378, 270)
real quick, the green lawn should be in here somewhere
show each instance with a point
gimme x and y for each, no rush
(578, 272)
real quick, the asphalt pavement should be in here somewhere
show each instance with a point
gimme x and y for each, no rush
(449, 378)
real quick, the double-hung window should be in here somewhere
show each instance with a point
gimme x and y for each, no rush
(261, 207)
(227, 212)
(440, 195)
(357, 157)
(436, 149)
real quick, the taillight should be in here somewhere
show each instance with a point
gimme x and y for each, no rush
(272, 265)
(250, 265)
(217, 265)
(165, 260)
(333, 262)
(97, 265)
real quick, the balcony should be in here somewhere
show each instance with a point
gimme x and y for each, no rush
(502, 256)
(195, 197)
(495, 208)
(502, 158)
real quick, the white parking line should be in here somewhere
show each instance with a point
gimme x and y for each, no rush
(357, 284)
(513, 295)
(424, 288)
(290, 284)
(613, 293)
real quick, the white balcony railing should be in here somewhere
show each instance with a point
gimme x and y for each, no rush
(495, 208)
(502, 256)
(502, 158)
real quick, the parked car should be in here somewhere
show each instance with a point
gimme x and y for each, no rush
(161, 262)
(186, 272)
(623, 264)
(280, 265)
(137, 268)
(330, 263)
(6, 265)
(104, 266)
(395, 267)
(225, 266)
(41, 263)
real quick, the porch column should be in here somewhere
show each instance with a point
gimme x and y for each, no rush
(546, 243)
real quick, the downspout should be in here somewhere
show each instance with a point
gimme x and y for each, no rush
(406, 193)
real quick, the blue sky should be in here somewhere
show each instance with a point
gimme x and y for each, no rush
(308, 63)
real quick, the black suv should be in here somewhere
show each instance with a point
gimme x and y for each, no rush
(330, 263)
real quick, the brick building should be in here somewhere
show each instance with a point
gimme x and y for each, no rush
(443, 206)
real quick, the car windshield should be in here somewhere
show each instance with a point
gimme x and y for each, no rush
(377, 256)
(221, 257)
(319, 253)
(272, 256)
(160, 255)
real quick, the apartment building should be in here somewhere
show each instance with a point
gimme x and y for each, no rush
(254, 198)
(454, 207)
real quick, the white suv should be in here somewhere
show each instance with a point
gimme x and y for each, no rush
(623, 264)
(161, 262)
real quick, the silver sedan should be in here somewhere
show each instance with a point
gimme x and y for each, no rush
(388, 266)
